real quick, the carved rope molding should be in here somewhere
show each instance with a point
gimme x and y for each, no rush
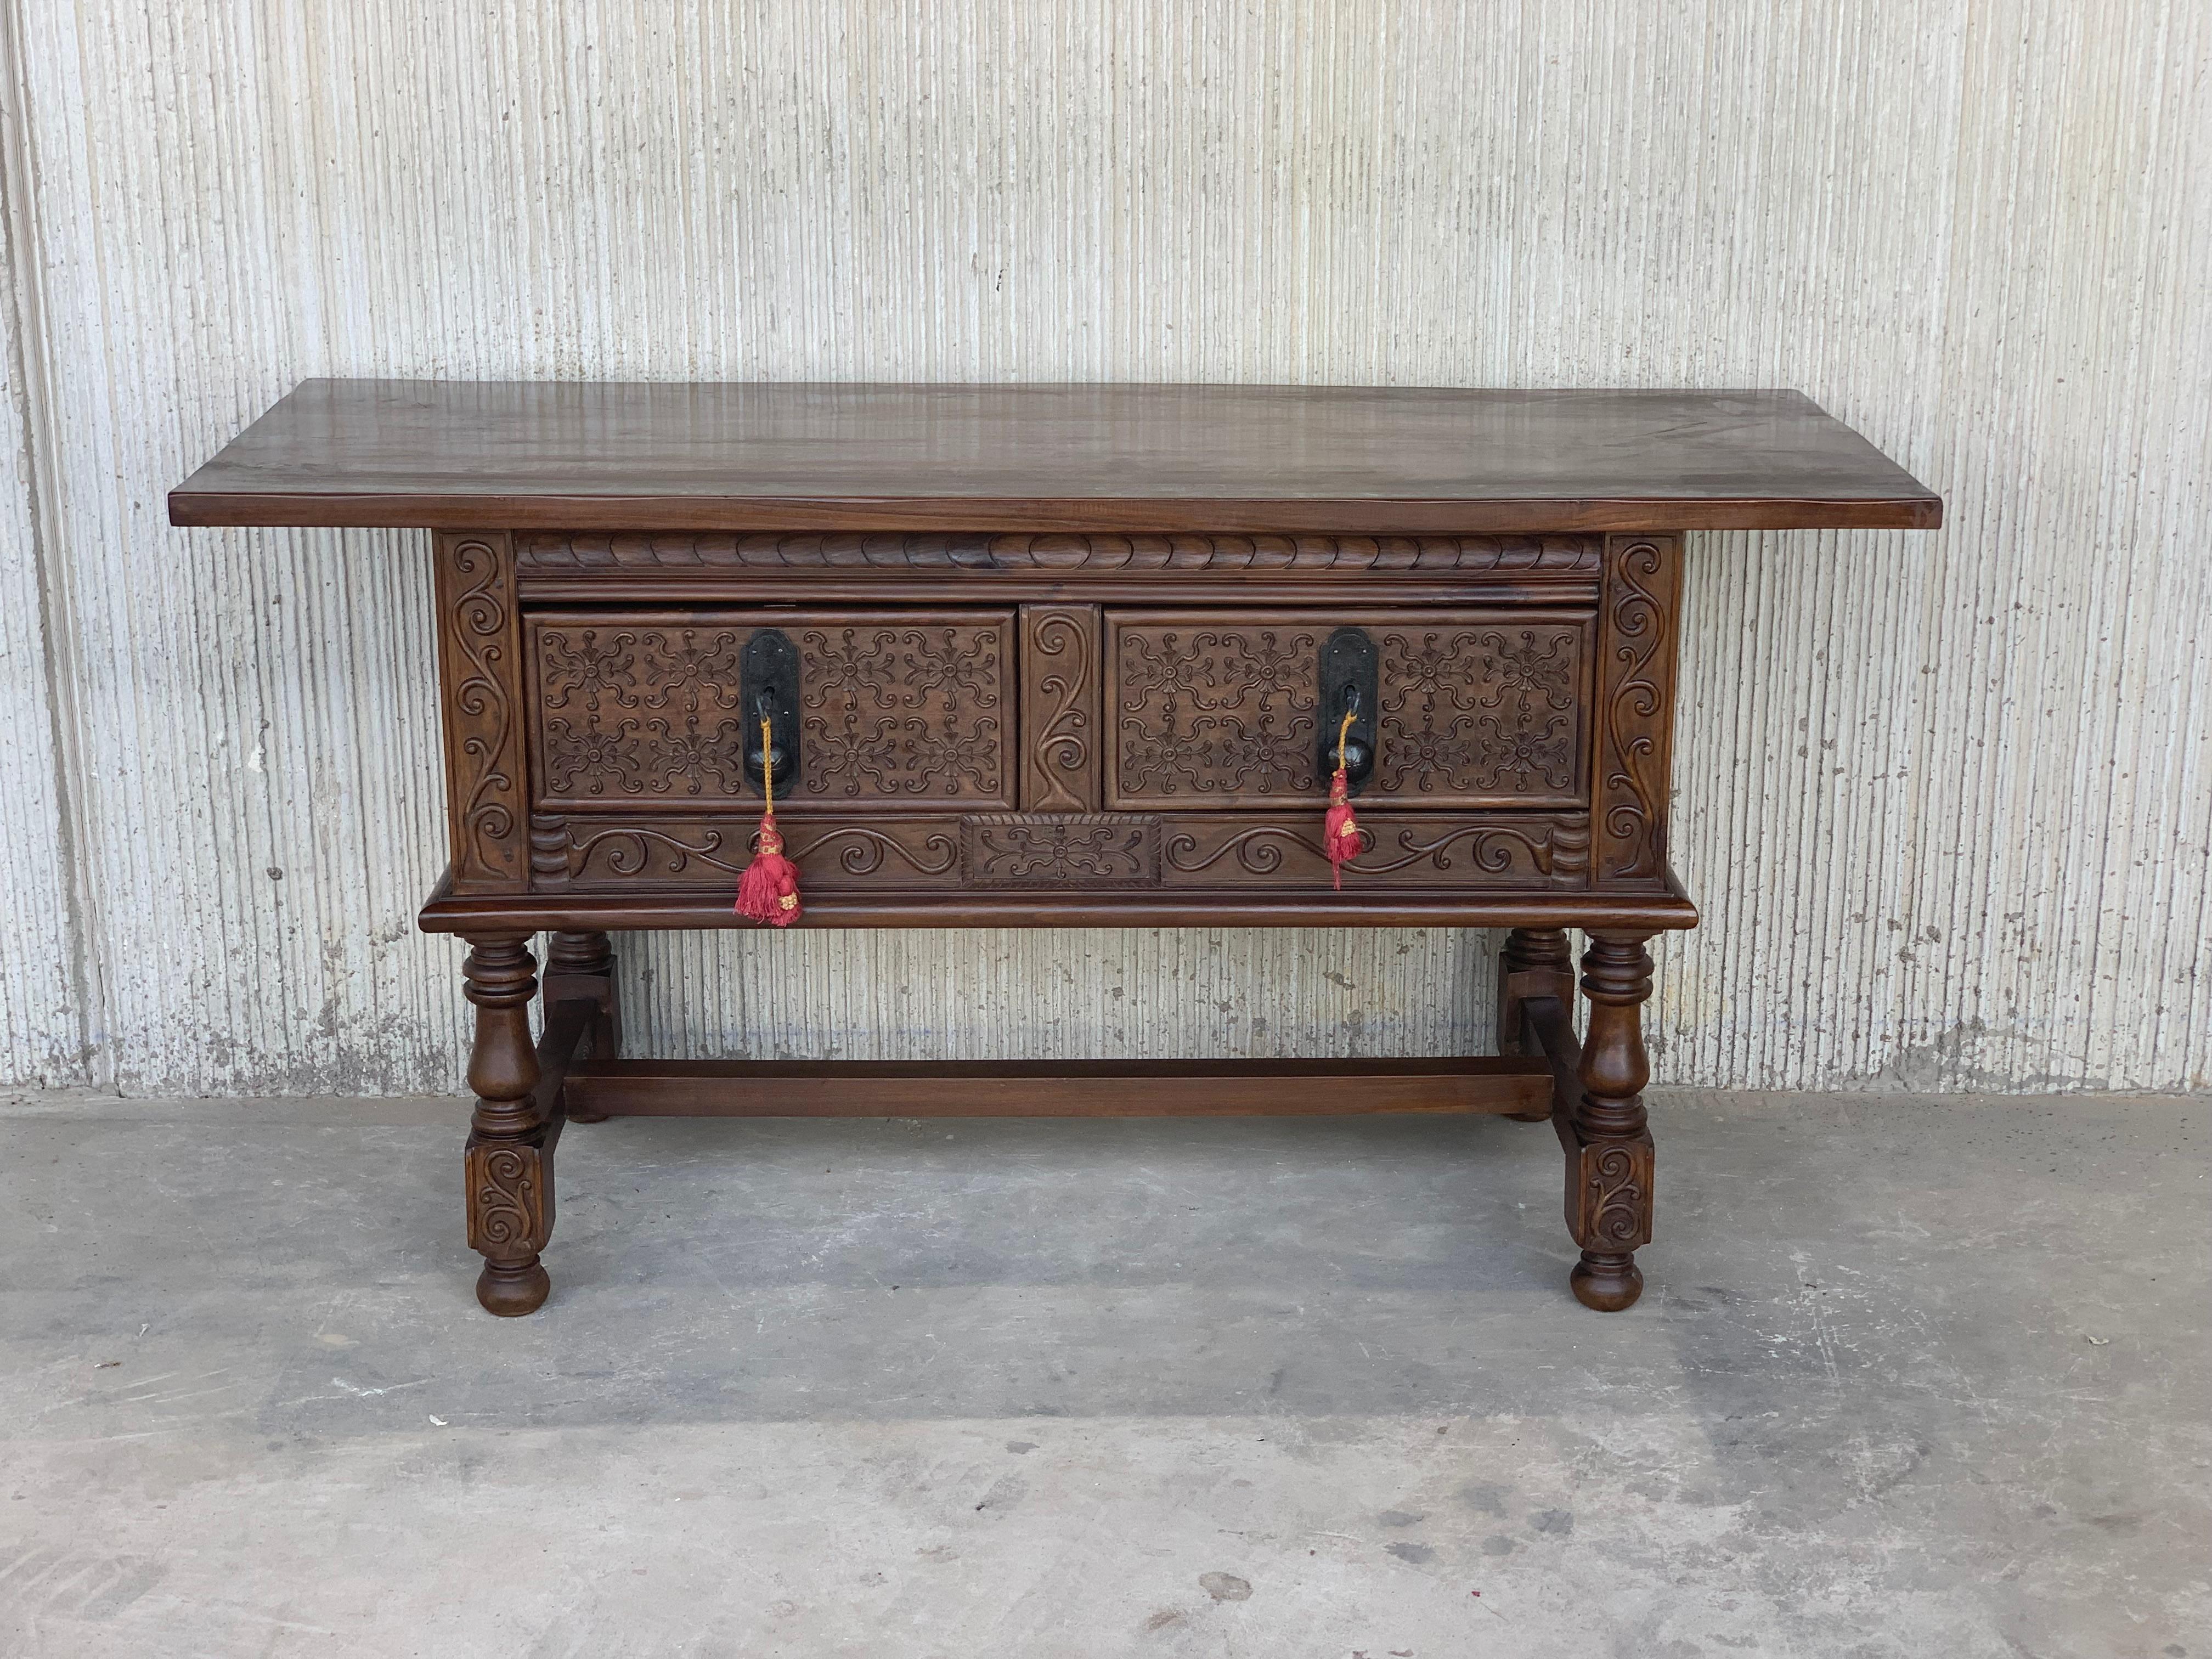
(1527, 556)
(483, 671)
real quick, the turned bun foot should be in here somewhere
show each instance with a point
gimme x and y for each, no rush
(1606, 1283)
(575, 1116)
(514, 1289)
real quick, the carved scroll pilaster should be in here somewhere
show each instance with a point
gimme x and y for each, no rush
(1636, 705)
(1059, 681)
(480, 667)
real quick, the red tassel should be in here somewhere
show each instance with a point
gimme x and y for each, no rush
(1340, 830)
(768, 891)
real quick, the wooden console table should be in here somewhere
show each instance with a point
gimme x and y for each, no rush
(1054, 656)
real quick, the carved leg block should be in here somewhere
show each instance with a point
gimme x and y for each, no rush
(1609, 1153)
(581, 966)
(510, 1187)
(1609, 1215)
(508, 1163)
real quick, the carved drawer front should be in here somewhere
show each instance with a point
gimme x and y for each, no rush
(1214, 710)
(896, 710)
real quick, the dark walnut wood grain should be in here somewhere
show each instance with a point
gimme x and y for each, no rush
(1096, 1088)
(1209, 461)
(1058, 654)
(1257, 903)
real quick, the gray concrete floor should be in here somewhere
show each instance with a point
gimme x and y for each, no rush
(1911, 1377)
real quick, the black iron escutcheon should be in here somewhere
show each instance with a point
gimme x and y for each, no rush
(1350, 684)
(768, 676)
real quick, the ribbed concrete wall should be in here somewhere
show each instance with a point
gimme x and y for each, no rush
(1948, 799)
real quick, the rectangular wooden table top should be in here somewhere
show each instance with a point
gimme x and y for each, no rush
(1352, 460)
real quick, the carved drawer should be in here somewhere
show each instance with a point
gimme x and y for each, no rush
(1221, 710)
(895, 711)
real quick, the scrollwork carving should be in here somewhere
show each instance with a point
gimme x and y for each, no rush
(582, 852)
(1059, 708)
(482, 662)
(1488, 849)
(1259, 850)
(507, 1208)
(864, 850)
(627, 851)
(1616, 1195)
(1404, 851)
(1637, 696)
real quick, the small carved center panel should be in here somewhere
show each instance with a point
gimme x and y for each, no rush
(1478, 709)
(896, 710)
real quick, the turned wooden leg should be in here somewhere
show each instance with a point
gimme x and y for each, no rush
(1609, 1163)
(509, 1160)
(582, 965)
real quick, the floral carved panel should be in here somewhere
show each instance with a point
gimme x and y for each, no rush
(1477, 709)
(894, 712)
(1060, 849)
